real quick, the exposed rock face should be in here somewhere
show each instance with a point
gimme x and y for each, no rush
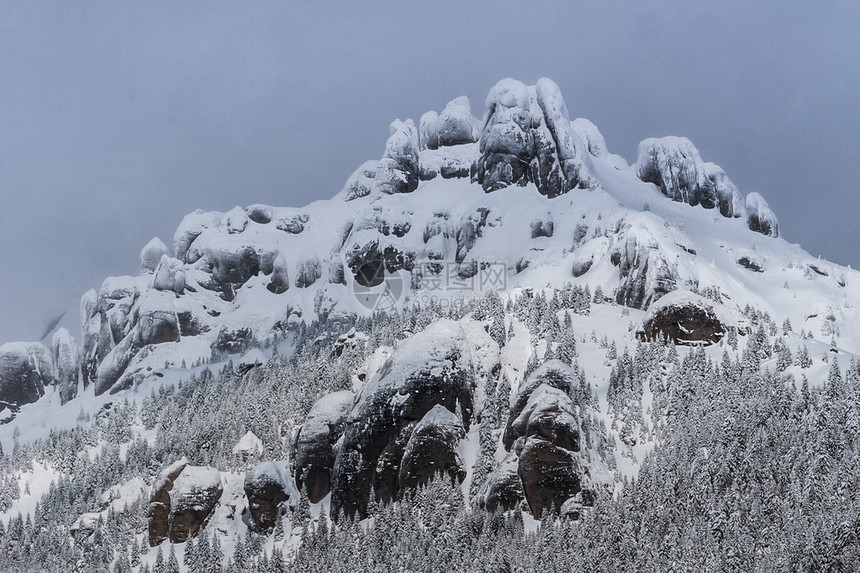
(430, 368)
(432, 450)
(232, 341)
(315, 450)
(151, 255)
(182, 499)
(674, 165)
(261, 214)
(66, 364)
(550, 475)
(686, 318)
(550, 415)
(25, 370)
(543, 436)
(645, 273)
(761, 218)
(268, 486)
(551, 374)
(158, 513)
(397, 171)
(503, 489)
(527, 138)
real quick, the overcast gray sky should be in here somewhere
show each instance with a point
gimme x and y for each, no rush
(118, 118)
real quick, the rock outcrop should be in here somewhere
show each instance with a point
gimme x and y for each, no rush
(183, 497)
(761, 218)
(543, 436)
(151, 255)
(315, 446)
(643, 269)
(683, 317)
(674, 165)
(67, 364)
(432, 450)
(527, 138)
(431, 368)
(397, 171)
(25, 370)
(268, 487)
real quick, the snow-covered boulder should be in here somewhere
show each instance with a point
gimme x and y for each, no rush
(158, 513)
(191, 226)
(432, 450)
(151, 255)
(194, 495)
(279, 282)
(674, 165)
(432, 367)
(553, 374)
(66, 364)
(315, 445)
(456, 124)
(761, 218)
(527, 138)
(268, 486)
(234, 221)
(25, 370)
(683, 317)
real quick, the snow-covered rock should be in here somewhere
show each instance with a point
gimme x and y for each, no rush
(431, 368)
(315, 445)
(674, 165)
(527, 138)
(761, 218)
(360, 182)
(683, 317)
(397, 171)
(67, 364)
(151, 255)
(432, 450)
(25, 370)
(183, 496)
(268, 486)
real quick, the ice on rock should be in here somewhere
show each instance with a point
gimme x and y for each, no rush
(151, 254)
(674, 165)
(428, 131)
(761, 218)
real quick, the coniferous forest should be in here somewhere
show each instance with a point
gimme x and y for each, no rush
(753, 468)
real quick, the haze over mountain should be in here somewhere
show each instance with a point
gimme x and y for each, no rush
(121, 119)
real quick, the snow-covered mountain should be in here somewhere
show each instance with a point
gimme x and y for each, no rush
(520, 205)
